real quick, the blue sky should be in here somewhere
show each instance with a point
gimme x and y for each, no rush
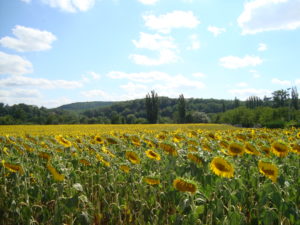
(54, 52)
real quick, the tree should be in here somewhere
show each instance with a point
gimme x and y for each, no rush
(181, 109)
(294, 100)
(152, 107)
(280, 97)
(253, 102)
(236, 102)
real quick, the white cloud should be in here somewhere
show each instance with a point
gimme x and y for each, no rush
(262, 47)
(297, 82)
(195, 43)
(22, 81)
(28, 39)
(247, 92)
(154, 42)
(169, 81)
(255, 74)
(281, 82)
(166, 22)
(20, 93)
(216, 30)
(164, 45)
(143, 77)
(97, 94)
(27, 1)
(267, 15)
(166, 56)
(233, 62)
(148, 2)
(94, 75)
(14, 64)
(70, 5)
(242, 84)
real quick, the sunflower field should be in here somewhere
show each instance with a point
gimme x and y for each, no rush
(149, 174)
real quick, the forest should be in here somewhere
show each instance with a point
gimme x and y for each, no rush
(276, 111)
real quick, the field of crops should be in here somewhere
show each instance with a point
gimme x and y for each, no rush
(149, 174)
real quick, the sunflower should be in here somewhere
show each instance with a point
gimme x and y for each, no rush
(296, 148)
(125, 168)
(223, 144)
(195, 159)
(132, 157)
(251, 149)
(56, 175)
(192, 149)
(279, 149)
(269, 170)
(13, 167)
(221, 167)
(44, 155)
(298, 135)
(106, 151)
(98, 140)
(152, 154)
(265, 149)
(102, 160)
(151, 180)
(235, 149)
(169, 148)
(206, 147)
(184, 185)
(61, 140)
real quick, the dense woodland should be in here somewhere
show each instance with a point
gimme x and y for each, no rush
(279, 110)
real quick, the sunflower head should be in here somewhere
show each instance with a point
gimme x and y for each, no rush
(184, 185)
(251, 149)
(132, 157)
(296, 148)
(221, 167)
(235, 149)
(125, 168)
(195, 159)
(152, 155)
(151, 180)
(269, 170)
(168, 148)
(279, 149)
(98, 139)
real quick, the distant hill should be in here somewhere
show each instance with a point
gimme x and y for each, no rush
(82, 106)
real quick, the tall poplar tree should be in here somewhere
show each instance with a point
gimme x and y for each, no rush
(152, 107)
(181, 109)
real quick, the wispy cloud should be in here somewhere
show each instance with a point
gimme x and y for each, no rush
(216, 30)
(28, 39)
(233, 62)
(14, 64)
(166, 22)
(267, 15)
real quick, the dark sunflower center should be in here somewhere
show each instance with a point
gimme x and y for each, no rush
(269, 172)
(221, 167)
(235, 149)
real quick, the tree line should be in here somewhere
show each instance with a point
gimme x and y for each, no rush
(279, 110)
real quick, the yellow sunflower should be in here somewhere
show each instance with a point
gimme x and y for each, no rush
(184, 185)
(195, 158)
(296, 148)
(235, 149)
(151, 181)
(298, 135)
(125, 168)
(44, 155)
(279, 149)
(132, 157)
(98, 140)
(61, 140)
(169, 148)
(269, 170)
(13, 167)
(221, 167)
(266, 150)
(56, 175)
(251, 149)
(152, 154)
